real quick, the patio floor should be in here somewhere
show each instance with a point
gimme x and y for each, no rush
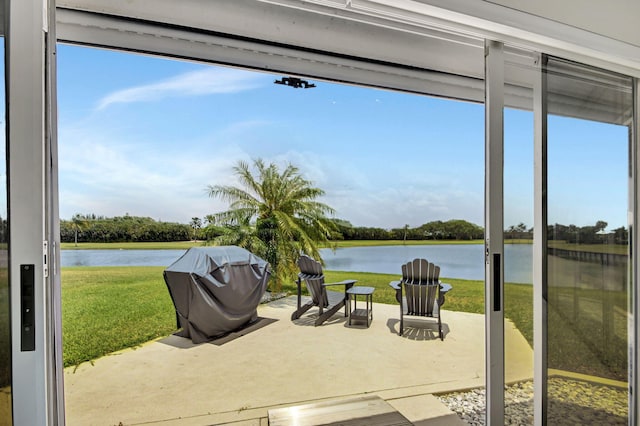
(282, 363)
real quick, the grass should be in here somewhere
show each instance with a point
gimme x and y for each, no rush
(594, 248)
(587, 331)
(105, 309)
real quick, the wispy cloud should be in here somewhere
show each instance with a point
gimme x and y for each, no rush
(195, 83)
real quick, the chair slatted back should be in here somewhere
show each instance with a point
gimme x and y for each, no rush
(312, 275)
(420, 280)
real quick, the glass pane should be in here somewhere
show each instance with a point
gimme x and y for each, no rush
(5, 312)
(518, 237)
(589, 112)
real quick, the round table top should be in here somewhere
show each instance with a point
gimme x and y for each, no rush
(361, 290)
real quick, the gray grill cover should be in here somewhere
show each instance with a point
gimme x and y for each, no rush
(216, 290)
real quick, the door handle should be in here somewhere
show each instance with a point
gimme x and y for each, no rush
(27, 305)
(497, 302)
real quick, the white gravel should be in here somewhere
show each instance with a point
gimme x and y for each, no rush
(571, 402)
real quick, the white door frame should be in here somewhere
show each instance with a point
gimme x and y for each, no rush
(494, 231)
(32, 199)
(540, 246)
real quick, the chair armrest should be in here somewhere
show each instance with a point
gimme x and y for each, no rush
(397, 286)
(444, 288)
(348, 283)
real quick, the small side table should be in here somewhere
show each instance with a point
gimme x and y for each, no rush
(361, 314)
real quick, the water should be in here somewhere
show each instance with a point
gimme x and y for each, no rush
(455, 261)
(119, 257)
(465, 261)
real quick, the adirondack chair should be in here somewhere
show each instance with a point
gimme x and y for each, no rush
(313, 277)
(423, 292)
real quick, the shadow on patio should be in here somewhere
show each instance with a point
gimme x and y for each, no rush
(280, 363)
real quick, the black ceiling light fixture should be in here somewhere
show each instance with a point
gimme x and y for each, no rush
(295, 82)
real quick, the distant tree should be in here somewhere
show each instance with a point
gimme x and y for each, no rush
(601, 225)
(621, 235)
(521, 227)
(79, 223)
(196, 224)
(518, 231)
(281, 207)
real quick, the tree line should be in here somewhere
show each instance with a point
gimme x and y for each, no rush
(455, 229)
(94, 228)
(91, 228)
(592, 234)
(99, 229)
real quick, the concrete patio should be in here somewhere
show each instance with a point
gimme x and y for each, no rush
(282, 363)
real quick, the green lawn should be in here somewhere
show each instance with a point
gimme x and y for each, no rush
(105, 309)
(594, 248)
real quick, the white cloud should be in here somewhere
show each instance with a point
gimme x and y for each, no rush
(195, 83)
(99, 175)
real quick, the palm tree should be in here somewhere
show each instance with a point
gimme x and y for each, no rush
(241, 233)
(78, 223)
(196, 224)
(275, 214)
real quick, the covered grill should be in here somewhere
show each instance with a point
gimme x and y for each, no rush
(216, 290)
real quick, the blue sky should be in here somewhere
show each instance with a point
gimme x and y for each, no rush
(145, 136)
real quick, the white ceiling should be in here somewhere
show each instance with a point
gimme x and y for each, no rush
(332, 44)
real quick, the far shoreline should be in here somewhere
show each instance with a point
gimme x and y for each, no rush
(177, 245)
(173, 245)
(620, 249)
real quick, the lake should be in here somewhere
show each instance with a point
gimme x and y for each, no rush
(465, 261)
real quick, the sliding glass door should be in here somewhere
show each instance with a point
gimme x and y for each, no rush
(589, 122)
(568, 275)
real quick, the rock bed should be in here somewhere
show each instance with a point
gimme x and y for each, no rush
(270, 297)
(571, 402)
